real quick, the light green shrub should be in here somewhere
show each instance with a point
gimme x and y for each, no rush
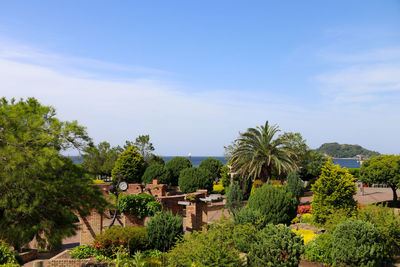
(319, 249)
(83, 252)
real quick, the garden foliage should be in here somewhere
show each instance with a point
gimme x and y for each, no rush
(176, 165)
(157, 171)
(131, 239)
(6, 255)
(129, 166)
(276, 204)
(333, 191)
(225, 176)
(192, 179)
(250, 216)
(164, 229)
(276, 246)
(213, 165)
(234, 199)
(295, 184)
(142, 205)
(243, 236)
(358, 243)
(83, 252)
(319, 249)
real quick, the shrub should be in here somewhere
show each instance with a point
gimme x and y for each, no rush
(276, 246)
(157, 171)
(319, 249)
(306, 218)
(142, 205)
(250, 216)
(304, 209)
(256, 184)
(110, 241)
(154, 159)
(243, 236)
(295, 184)
(355, 172)
(358, 243)
(130, 166)
(98, 182)
(234, 199)
(211, 248)
(218, 188)
(164, 229)
(176, 165)
(307, 235)
(83, 252)
(6, 255)
(333, 191)
(213, 165)
(276, 204)
(388, 224)
(192, 179)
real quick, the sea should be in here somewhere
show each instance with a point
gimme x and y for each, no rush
(196, 160)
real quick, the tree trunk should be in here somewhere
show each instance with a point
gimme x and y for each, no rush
(394, 188)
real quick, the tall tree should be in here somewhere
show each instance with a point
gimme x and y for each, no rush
(144, 146)
(259, 153)
(383, 169)
(129, 166)
(100, 159)
(40, 190)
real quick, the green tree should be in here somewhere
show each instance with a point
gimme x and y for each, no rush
(154, 159)
(164, 229)
(295, 184)
(259, 154)
(100, 159)
(41, 190)
(176, 165)
(333, 191)
(129, 166)
(234, 199)
(383, 169)
(192, 179)
(144, 146)
(213, 165)
(157, 171)
(310, 167)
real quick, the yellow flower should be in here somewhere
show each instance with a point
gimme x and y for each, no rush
(307, 235)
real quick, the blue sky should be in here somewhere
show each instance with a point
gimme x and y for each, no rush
(194, 74)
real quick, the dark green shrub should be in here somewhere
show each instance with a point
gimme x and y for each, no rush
(250, 216)
(355, 172)
(234, 199)
(320, 249)
(192, 179)
(142, 205)
(213, 165)
(243, 236)
(211, 248)
(156, 171)
(110, 241)
(276, 204)
(154, 159)
(276, 246)
(295, 184)
(358, 243)
(6, 255)
(176, 165)
(388, 224)
(129, 166)
(333, 191)
(164, 229)
(83, 252)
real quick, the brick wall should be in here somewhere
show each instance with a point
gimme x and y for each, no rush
(91, 226)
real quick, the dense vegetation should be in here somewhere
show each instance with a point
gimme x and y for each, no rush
(337, 150)
(192, 179)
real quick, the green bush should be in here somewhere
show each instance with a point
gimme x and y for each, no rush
(6, 255)
(129, 166)
(388, 224)
(276, 204)
(142, 205)
(176, 165)
(83, 252)
(276, 246)
(319, 249)
(211, 248)
(295, 184)
(157, 171)
(164, 229)
(355, 172)
(225, 176)
(192, 179)
(250, 216)
(333, 191)
(358, 243)
(234, 199)
(243, 236)
(129, 238)
(154, 159)
(213, 165)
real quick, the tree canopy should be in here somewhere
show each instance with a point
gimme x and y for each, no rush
(383, 169)
(144, 146)
(213, 165)
(100, 159)
(176, 165)
(39, 188)
(129, 166)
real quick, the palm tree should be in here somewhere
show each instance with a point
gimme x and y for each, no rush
(258, 155)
